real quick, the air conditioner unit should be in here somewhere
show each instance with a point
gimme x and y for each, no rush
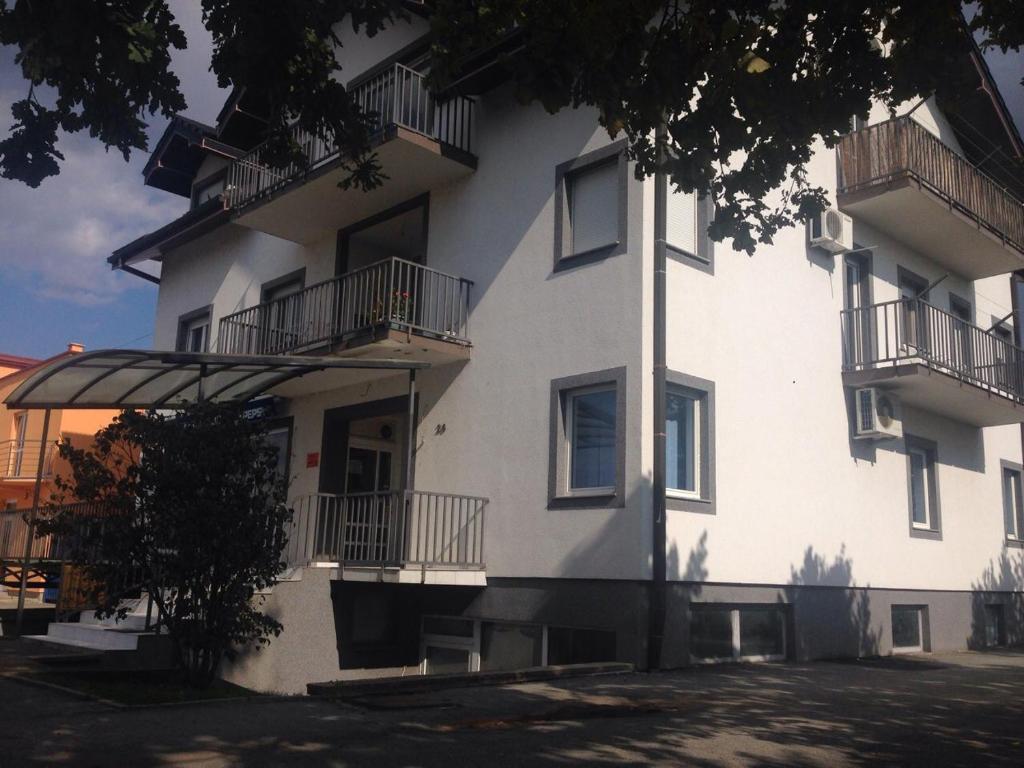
(832, 231)
(879, 415)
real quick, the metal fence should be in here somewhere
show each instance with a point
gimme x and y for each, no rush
(390, 528)
(900, 148)
(19, 459)
(15, 532)
(391, 293)
(908, 329)
(397, 96)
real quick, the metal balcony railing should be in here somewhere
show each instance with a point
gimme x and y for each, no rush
(393, 293)
(901, 148)
(19, 459)
(14, 532)
(388, 529)
(398, 96)
(912, 329)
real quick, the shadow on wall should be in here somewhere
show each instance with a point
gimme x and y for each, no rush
(832, 612)
(997, 605)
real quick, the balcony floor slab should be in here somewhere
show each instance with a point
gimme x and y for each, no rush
(922, 386)
(410, 574)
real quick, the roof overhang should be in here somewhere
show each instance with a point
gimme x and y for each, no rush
(190, 225)
(143, 379)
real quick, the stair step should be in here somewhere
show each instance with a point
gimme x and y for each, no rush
(90, 636)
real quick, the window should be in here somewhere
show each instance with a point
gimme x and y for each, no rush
(194, 331)
(587, 461)
(687, 216)
(908, 628)
(689, 443)
(1004, 353)
(279, 437)
(449, 645)
(283, 312)
(961, 311)
(995, 625)
(209, 188)
(750, 632)
(922, 487)
(1013, 506)
(591, 206)
(591, 440)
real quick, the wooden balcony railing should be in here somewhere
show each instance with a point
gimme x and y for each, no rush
(388, 529)
(912, 329)
(900, 148)
(397, 96)
(391, 293)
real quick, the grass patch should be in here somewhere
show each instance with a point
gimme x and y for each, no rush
(138, 686)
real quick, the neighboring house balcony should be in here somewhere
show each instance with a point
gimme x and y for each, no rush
(420, 141)
(19, 459)
(392, 307)
(903, 180)
(935, 361)
(400, 536)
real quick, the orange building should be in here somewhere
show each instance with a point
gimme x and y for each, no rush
(21, 438)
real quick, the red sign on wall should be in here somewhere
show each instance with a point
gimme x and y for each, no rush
(312, 460)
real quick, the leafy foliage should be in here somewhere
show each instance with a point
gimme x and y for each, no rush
(745, 87)
(192, 514)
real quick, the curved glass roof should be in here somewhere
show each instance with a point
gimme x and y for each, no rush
(132, 378)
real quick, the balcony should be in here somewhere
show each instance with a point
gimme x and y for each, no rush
(903, 180)
(401, 535)
(421, 143)
(935, 361)
(19, 459)
(392, 307)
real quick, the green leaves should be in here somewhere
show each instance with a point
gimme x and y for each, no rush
(29, 153)
(193, 510)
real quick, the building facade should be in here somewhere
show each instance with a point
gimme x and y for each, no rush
(493, 506)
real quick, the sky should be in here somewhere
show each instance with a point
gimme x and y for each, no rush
(55, 284)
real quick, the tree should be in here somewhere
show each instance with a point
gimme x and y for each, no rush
(744, 87)
(191, 514)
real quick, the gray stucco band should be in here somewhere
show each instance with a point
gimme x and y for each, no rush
(558, 495)
(934, 531)
(826, 622)
(564, 257)
(706, 503)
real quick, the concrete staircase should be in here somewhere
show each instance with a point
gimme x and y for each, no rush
(109, 634)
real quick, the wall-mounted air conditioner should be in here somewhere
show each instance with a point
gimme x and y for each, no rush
(879, 415)
(832, 230)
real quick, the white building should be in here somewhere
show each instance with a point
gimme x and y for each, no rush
(505, 516)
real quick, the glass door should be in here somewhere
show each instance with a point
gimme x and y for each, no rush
(915, 331)
(858, 339)
(18, 444)
(371, 506)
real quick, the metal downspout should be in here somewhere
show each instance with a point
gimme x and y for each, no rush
(657, 605)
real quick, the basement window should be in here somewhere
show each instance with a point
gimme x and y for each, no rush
(739, 633)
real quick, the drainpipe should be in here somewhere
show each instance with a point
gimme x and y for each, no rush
(657, 605)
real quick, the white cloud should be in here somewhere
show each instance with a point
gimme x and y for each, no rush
(56, 238)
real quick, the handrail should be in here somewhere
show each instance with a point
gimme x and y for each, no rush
(912, 329)
(19, 459)
(14, 528)
(397, 96)
(900, 147)
(392, 293)
(388, 528)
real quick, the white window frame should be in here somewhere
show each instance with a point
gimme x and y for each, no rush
(1009, 475)
(570, 404)
(699, 459)
(737, 654)
(451, 642)
(926, 481)
(919, 648)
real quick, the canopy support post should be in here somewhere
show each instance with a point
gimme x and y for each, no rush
(30, 530)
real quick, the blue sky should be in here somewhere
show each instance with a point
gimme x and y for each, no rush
(55, 285)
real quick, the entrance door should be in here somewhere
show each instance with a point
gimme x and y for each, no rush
(372, 525)
(914, 317)
(961, 322)
(859, 320)
(18, 444)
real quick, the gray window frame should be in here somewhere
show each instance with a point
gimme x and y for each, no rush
(704, 390)
(188, 317)
(296, 276)
(564, 173)
(904, 275)
(704, 259)
(559, 496)
(207, 181)
(931, 449)
(1012, 466)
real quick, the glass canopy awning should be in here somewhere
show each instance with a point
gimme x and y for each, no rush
(131, 378)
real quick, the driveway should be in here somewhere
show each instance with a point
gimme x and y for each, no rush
(937, 710)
